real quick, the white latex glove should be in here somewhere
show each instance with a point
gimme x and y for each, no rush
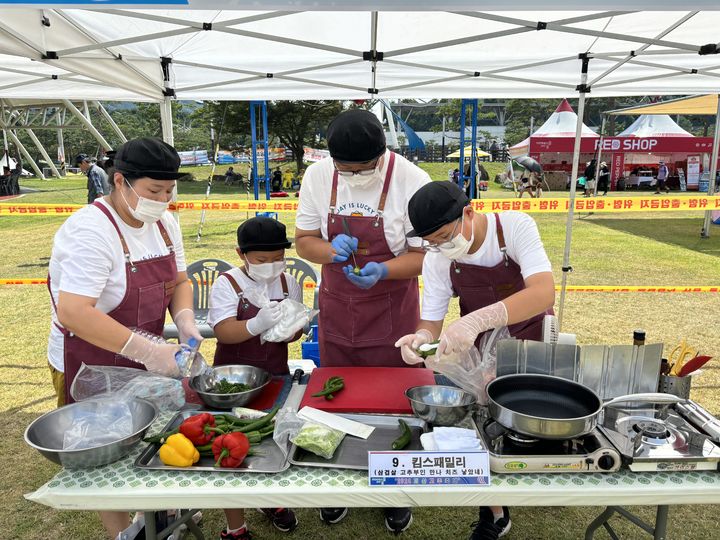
(408, 345)
(266, 318)
(156, 357)
(185, 322)
(460, 335)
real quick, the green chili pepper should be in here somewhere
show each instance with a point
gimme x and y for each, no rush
(332, 386)
(404, 439)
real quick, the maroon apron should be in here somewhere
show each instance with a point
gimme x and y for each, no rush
(271, 357)
(149, 286)
(481, 286)
(359, 327)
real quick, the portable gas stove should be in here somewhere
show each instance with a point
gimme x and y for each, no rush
(510, 452)
(658, 440)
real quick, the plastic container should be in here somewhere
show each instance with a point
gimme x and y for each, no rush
(311, 347)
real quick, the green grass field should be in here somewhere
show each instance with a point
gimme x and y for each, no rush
(609, 249)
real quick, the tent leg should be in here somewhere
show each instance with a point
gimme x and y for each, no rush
(599, 155)
(566, 268)
(166, 120)
(705, 233)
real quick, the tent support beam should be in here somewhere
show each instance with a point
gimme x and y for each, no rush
(599, 154)
(166, 120)
(60, 138)
(705, 233)
(566, 268)
(88, 125)
(43, 152)
(113, 125)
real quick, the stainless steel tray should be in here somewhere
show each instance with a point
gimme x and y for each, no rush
(352, 452)
(272, 460)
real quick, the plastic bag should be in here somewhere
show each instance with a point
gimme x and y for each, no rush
(473, 370)
(109, 422)
(294, 315)
(165, 393)
(287, 424)
(319, 439)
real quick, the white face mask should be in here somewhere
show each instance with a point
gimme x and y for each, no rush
(363, 181)
(265, 272)
(461, 245)
(146, 210)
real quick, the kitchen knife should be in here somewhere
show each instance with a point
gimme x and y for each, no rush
(297, 391)
(693, 365)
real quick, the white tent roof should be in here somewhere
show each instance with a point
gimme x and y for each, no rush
(654, 126)
(562, 123)
(115, 54)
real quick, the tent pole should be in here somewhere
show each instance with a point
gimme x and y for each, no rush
(61, 140)
(43, 152)
(167, 121)
(566, 268)
(599, 153)
(705, 233)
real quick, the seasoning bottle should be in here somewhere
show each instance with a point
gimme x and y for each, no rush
(639, 337)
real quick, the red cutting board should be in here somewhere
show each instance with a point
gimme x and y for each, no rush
(367, 389)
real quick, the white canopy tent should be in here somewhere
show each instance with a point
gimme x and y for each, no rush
(324, 50)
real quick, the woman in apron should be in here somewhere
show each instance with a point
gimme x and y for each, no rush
(238, 324)
(497, 266)
(352, 219)
(117, 267)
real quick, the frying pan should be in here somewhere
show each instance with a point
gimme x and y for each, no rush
(550, 407)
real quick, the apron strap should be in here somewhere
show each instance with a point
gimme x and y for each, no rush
(104, 210)
(232, 281)
(63, 330)
(501, 239)
(386, 185)
(283, 283)
(165, 236)
(333, 192)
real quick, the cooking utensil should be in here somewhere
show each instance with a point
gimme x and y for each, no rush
(46, 434)
(551, 407)
(346, 228)
(702, 419)
(693, 365)
(252, 376)
(679, 355)
(297, 391)
(440, 405)
(367, 389)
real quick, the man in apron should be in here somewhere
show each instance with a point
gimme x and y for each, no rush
(352, 219)
(497, 266)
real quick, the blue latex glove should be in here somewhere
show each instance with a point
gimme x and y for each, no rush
(343, 245)
(370, 274)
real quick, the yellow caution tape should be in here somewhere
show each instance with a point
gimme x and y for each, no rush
(557, 205)
(571, 288)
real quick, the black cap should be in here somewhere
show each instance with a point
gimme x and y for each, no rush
(80, 158)
(148, 157)
(355, 136)
(434, 205)
(262, 234)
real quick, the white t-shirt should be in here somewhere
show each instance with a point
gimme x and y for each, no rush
(523, 246)
(87, 259)
(224, 300)
(315, 192)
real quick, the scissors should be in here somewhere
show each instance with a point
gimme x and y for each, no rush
(679, 355)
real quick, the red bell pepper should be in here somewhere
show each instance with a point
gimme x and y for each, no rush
(200, 428)
(230, 450)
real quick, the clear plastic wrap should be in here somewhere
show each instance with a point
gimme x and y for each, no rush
(294, 315)
(287, 424)
(91, 382)
(109, 422)
(473, 370)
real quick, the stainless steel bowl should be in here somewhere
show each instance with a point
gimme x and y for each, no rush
(46, 434)
(255, 377)
(440, 405)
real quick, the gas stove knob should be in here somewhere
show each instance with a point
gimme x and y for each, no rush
(606, 462)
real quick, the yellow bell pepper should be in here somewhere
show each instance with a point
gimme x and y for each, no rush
(178, 451)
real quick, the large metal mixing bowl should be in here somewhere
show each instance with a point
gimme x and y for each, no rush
(46, 434)
(440, 405)
(254, 377)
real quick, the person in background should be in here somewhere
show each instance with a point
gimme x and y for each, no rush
(287, 179)
(238, 324)
(15, 175)
(496, 264)
(97, 184)
(117, 267)
(604, 178)
(353, 211)
(662, 175)
(589, 175)
(230, 176)
(276, 184)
